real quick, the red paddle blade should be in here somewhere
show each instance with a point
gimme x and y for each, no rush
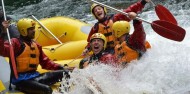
(13, 61)
(164, 14)
(168, 30)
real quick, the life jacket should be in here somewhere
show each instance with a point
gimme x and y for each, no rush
(107, 31)
(28, 60)
(125, 54)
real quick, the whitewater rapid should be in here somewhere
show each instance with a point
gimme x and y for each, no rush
(164, 69)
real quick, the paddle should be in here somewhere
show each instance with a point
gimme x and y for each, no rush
(163, 13)
(75, 59)
(161, 27)
(47, 29)
(12, 57)
(93, 86)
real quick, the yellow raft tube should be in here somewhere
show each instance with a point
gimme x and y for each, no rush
(68, 50)
(64, 28)
(71, 32)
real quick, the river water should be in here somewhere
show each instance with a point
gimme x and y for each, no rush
(164, 69)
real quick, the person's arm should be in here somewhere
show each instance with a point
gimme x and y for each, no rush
(46, 63)
(81, 63)
(136, 7)
(4, 25)
(4, 45)
(138, 38)
(85, 64)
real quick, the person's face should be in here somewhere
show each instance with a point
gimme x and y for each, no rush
(31, 32)
(99, 12)
(97, 45)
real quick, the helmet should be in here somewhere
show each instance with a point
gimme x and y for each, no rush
(99, 36)
(24, 24)
(120, 28)
(94, 5)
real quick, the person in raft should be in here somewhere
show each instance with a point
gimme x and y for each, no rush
(130, 46)
(98, 44)
(105, 23)
(28, 55)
